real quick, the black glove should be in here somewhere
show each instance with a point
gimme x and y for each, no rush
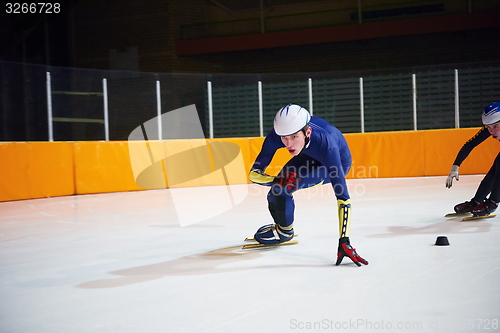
(346, 250)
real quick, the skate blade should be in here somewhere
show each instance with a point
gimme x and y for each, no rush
(252, 239)
(457, 214)
(252, 246)
(478, 217)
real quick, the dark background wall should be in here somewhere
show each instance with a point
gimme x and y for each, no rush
(145, 35)
(265, 37)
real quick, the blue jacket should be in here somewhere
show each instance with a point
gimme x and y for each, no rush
(327, 145)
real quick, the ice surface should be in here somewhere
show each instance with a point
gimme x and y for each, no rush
(121, 262)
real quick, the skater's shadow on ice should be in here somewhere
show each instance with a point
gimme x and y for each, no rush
(196, 264)
(436, 228)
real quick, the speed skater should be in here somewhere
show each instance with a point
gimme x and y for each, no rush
(481, 204)
(320, 156)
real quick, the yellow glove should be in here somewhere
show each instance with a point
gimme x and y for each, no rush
(344, 217)
(260, 177)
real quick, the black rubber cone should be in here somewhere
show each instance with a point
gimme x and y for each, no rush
(442, 241)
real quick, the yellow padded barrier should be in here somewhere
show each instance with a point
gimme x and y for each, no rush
(146, 161)
(31, 170)
(442, 146)
(102, 167)
(386, 154)
(404, 154)
(232, 155)
(189, 163)
(42, 169)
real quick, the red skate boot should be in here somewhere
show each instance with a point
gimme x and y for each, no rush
(466, 207)
(485, 208)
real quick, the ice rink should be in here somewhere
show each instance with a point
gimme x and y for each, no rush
(122, 262)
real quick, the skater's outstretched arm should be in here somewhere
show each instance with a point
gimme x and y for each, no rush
(453, 174)
(464, 152)
(337, 179)
(257, 173)
(346, 250)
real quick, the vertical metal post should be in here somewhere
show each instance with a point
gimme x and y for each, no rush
(414, 89)
(362, 104)
(457, 101)
(105, 97)
(49, 108)
(261, 111)
(158, 109)
(210, 110)
(310, 96)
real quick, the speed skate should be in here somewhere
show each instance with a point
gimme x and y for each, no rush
(470, 218)
(467, 216)
(259, 245)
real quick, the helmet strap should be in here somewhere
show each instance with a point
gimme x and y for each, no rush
(307, 140)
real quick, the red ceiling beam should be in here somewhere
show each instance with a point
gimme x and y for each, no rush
(339, 33)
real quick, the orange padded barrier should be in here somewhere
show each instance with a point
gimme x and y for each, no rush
(189, 163)
(386, 154)
(404, 154)
(442, 146)
(102, 167)
(233, 156)
(31, 170)
(42, 169)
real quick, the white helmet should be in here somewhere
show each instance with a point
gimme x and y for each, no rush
(491, 114)
(290, 119)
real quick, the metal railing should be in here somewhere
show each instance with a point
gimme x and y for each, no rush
(51, 119)
(361, 98)
(68, 104)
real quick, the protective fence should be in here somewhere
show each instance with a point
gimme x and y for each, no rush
(41, 103)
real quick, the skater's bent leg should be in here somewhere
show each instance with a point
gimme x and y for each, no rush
(300, 172)
(485, 187)
(307, 171)
(490, 183)
(495, 191)
(282, 209)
